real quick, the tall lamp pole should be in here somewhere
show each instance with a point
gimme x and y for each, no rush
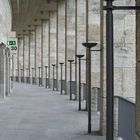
(79, 57)
(89, 46)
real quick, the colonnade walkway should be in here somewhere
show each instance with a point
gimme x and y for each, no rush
(36, 113)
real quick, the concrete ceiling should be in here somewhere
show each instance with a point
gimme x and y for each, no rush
(28, 13)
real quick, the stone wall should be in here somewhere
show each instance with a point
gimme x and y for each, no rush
(138, 74)
(5, 20)
(32, 50)
(5, 33)
(124, 56)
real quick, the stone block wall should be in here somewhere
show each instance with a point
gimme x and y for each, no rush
(124, 56)
(5, 33)
(138, 73)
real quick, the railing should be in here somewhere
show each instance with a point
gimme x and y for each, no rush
(126, 119)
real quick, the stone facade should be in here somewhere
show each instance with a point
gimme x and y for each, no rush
(124, 57)
(5, 28)
(138, 74)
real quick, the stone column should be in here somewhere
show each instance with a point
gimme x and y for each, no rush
(53, 39)
(61, 39)
(35, 66)
(94, 99)
(76, 50)
(23, 58)
(71, 36)
(45, 48)
(18, 67)
(42, 48)
(66, 59)
(102, 73)
(57, 26)
(29, 56)
(138, 73)
(20, 51)
(7, 71)
(32, 54)
(38, 50)
(2, 71)
(26, 57)
(49, 53)
(87, 27)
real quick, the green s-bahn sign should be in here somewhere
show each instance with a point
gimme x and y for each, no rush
(11, 43)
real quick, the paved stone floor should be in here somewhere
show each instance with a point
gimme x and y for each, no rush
(36, 113)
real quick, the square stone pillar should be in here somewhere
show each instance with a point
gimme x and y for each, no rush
(94, 99)
(7, 71)
(2, 71)
(138, 73)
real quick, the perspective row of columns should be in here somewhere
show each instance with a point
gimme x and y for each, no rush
(22, 46)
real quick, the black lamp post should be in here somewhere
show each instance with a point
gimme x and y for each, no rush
(79, 57)
(53, 75)
(61, 76)
(70, 61)
(39, 68)
(46, 70)
(89, 46)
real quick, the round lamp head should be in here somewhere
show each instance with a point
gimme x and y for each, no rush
(80, 55)
(70, 60)
(61, 63)
(89, 45)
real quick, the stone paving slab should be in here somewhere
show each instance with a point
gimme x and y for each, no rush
(36, 113)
